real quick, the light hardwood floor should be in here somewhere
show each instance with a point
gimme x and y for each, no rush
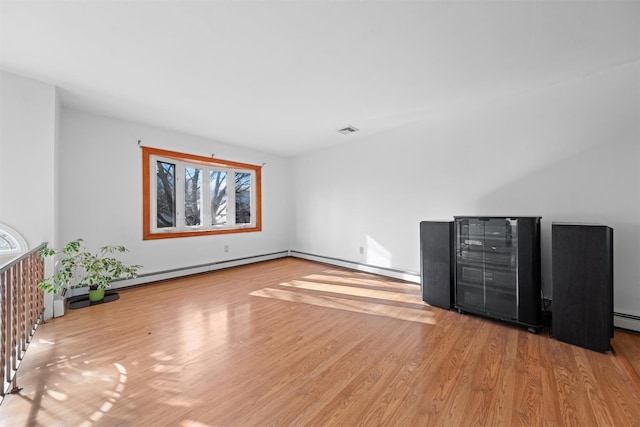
(295, 343)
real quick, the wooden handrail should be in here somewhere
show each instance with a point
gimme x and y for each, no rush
(21, 311)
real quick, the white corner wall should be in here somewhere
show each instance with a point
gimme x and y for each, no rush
(570, 152)
(101, 194)
(28, 138)
(27, 156)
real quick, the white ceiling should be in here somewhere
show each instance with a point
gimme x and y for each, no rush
(283, 77)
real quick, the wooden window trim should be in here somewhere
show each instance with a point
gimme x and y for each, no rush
(147, 233)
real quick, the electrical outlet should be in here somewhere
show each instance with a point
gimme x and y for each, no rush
(226, 248)
(362, 249)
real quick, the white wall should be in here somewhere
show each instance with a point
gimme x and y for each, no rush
(27, 144)
(28, 137)
(570, 152)
(101, 193)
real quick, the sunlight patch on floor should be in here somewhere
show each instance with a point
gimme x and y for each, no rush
(191, 423)
(162, 356)
(167, 384)
(349, 280)
(384, 310)
(109, 403)
(172, 369)
(57, 395)
(355, 291)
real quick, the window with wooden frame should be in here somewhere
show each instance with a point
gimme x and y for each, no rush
(188, 195)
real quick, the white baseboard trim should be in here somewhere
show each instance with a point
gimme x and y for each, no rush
(620, 320)
(185, 271)
(626, 321)
(407, 276)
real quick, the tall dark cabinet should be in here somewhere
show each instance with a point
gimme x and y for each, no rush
(497, 268)
(582, 263)
(436, 267)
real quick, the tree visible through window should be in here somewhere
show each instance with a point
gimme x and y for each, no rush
(186, 195)
(243, 198)
(218, 188)
(165, 195)
(192, 188)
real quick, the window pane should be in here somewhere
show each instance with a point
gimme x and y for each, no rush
(11, 241)
(192, 192)
(243, 198)
(166, 194)
(218, 186)
(7, 243)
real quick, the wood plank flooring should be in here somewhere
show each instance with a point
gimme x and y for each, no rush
(295, 343)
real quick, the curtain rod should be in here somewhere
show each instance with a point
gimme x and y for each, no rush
(212, 154)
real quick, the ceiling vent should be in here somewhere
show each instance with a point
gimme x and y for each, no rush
(347, 130)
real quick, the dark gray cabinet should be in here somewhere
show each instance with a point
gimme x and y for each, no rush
(497, 268)
(436, 267)
(582, 263)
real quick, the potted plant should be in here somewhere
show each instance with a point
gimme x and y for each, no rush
(78, 267)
